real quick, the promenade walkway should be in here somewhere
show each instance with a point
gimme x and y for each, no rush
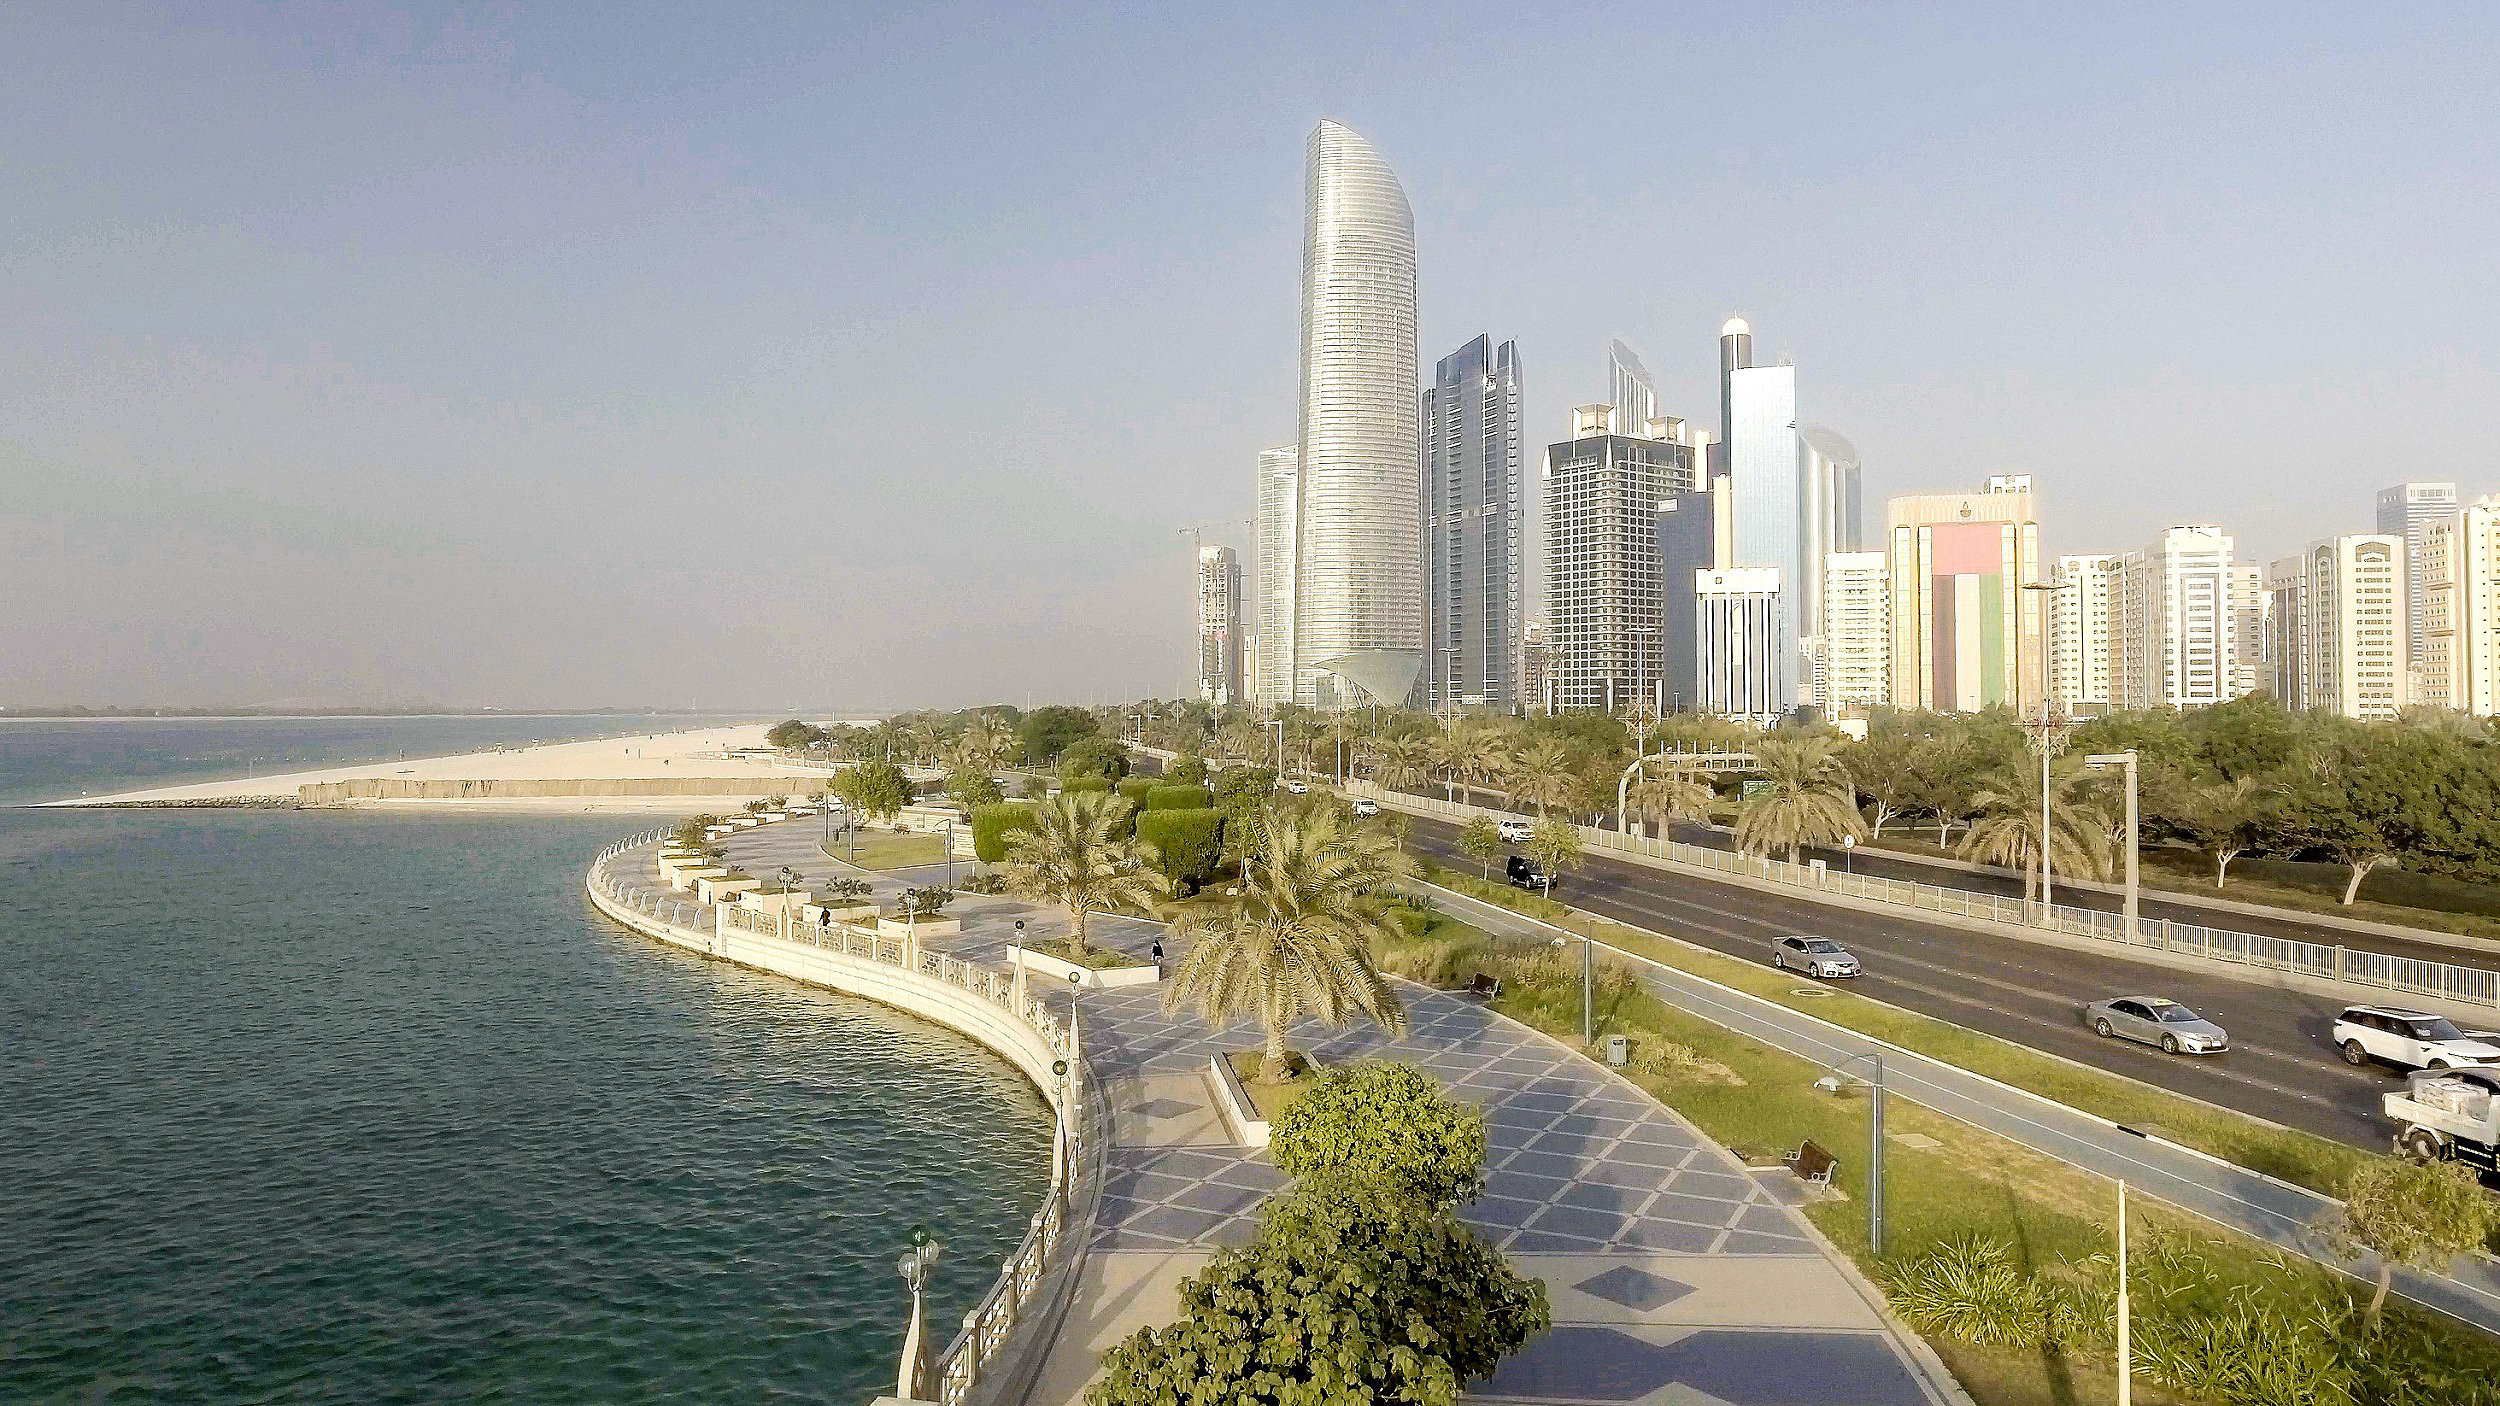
(1674, 1276)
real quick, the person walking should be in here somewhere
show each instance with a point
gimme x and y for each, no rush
(1158, 956)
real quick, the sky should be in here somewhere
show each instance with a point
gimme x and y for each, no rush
(848, 357)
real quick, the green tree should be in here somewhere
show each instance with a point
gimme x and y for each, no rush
(2007, 832)
(1094, 756)
(2372, 797)
(2224, 819)
(1185, 846)
(1400, 763)
(2406, 1213)
(973, 787)
(1348, 1294)
(793, 735)
(1481, 840)
(1388, 1124)
(1188, 769)
(2249, 736)
(1806, 798)
(874, 790)
(1077, 857)
(1541, 775)
(1884, 769)
(1555, 846)
(992, 824)
(1670, 796)
(1046, 732)
(1299, 941)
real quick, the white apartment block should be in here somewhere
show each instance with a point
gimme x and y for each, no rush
(1738, 623)
(2352, 626)
(2407, 510)
(2460, 658)
(1280, 492)
(2251, 611)
(2171, 638)
(1853, 663)
(2079, 624)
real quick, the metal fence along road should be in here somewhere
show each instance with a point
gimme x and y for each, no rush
(2475, 986)
(1076, 1166)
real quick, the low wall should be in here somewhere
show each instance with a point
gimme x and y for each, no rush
(392, 788)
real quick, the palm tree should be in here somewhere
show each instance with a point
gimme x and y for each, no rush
(1076, 858)
(2007, 832)
(1242, 741)
(1299, 942)
(1671, 796)
(1400, 762)
(1806, 798)
(1472, 754)
(1541, 775)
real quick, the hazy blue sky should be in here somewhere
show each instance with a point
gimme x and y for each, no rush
(576, 354)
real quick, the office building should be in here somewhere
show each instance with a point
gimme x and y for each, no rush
(1635, 398)
(2172, 628)
(1688, 536)
(1536, 675)
(2079, 631)
(1474, 520)
(2461, 610)
(1853, 663)
(2284, 585)
(1964, 633)
(2250, 608)
(1765, 473)
(1603, 591)
(1219, 626)
(1358, 633)
(1735, 354)
(2352, 626)
(2407, 510)
(1280, 497)
(1737, 658)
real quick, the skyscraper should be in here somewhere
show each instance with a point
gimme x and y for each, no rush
(1853, 668)
(1964, 632)
(2461, 610)
(2407, 510)
(1474, 555)
(1635, 399)
(1735, 354)
(1358, 632)
(1764, 478)
(2352, 625)
(1603, 590)
(2079, 630)
(1219, 626)
(2173, 641)
(1827, 477)
(1280, 496)
(1688, 537)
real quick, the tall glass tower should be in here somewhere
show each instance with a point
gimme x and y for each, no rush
(1763, 476)
(1358, 632)
(1473, 521)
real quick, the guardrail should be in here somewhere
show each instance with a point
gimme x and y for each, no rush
(2476, 986)
(1082, 1121)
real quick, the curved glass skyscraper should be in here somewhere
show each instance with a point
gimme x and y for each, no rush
(1359, 577)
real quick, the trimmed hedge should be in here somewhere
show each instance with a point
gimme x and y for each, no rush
(992, 824)
(1178, 798)
(1086, 783)
(1188, 844)
(1133, 789)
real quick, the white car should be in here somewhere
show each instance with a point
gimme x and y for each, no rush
(1815, 956)
(1365, 805)
(1513, 829)
(1297, 788)
(2411, 1038)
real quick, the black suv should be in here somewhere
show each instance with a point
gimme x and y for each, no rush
(1524, 873)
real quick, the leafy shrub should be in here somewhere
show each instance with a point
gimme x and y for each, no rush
(837, 889)
(1188, 844)
(1094, 756)
(991, 825)
(1188, 769)
(1386, 1124)
(1047, 732)
(1971, 1289)
(1171, 797)
(927, 902)
(1086, 783)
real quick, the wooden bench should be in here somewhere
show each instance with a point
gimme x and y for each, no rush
(1488, 987)
(1812, 1164)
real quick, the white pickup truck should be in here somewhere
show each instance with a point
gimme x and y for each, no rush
(2450, 1113)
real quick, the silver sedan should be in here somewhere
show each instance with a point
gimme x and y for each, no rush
(2155, 1021)
(1815, 956)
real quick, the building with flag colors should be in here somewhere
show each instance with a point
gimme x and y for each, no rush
(1965, 634)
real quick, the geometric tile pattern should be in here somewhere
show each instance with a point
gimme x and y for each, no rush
(1162, 1108)
(1735, 1366)
(1634, 1288)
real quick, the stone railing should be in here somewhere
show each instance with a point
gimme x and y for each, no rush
(981, 1002)
(2475, 986)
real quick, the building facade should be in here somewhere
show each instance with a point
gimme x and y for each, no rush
(1602, 584)
(1965, 634)
(1766, 492)
(1280, 499)
(1688, 534)
(2407, 510)
(2286, 605)
(1853, 666)
(1629, 387)
(2172, 635)
(2353, 626)
(2460, 664)
(2251, 611)
(1474, 521)
(1358, 632)
(1736, 658)
(1219, 626)
(2079, 631)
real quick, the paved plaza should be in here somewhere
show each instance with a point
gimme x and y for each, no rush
(1676, 1279)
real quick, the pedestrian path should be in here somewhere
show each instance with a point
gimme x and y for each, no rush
(1673, 1276)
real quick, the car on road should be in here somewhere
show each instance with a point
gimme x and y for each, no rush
(1298, 788)
(2155, 1021)
(1513, 829)
(1366, 806)
(1524, 873)
(1815, 956)
(2410, 1038)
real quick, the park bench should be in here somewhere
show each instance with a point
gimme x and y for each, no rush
(1812, 1164)
(1487, 986)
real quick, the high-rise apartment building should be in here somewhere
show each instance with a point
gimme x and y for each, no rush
(1635, 398)
(2079, 631)
(2251, 609)
(2407, 510)
(1964, 632)
(1219, 626)
(1474, 552)
(1736, 658)
(1765, 479)
(2286, 587)
(1602, 584)
(2352, 625)
(2171, 635)
(1688, 536)
(1358, 632)
(2461, 610)
(1280, 499)
(1853, 665)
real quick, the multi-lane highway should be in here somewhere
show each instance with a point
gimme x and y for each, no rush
(2280, 1066)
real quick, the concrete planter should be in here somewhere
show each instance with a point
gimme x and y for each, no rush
(774, 904)
(688, 878)
(1232, 1104)
(1039, 966)
(926, 927)
(856, 913)
(721, 890)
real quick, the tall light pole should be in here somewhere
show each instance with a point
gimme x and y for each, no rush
(1875, 1151)
(1279, 725)
(2051, 721)
(2127, 760)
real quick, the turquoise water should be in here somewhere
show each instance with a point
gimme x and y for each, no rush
(333, 1106)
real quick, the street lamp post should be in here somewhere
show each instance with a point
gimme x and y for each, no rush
(2126, 760)
(1875, 1150)
(918, 1361)
(2050, 723)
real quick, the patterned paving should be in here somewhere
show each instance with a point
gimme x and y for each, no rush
(1675, 1277)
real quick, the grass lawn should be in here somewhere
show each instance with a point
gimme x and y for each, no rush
(881, 849)
(2303, 1159)
(1270, 1100)
(1950, 1182)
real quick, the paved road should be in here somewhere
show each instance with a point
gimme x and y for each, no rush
(2281, 1066)
(2271, 1211)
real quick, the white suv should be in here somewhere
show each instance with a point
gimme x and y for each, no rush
(2414, 1039)
(1513, 829)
